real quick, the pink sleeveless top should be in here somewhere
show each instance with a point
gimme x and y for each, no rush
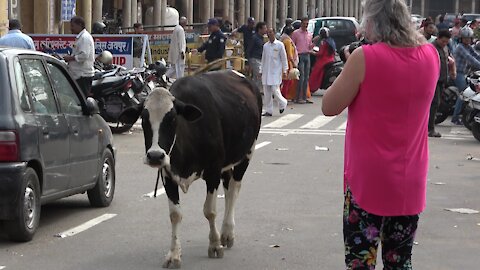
(386, 143)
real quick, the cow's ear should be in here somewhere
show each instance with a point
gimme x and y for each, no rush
(189, 112)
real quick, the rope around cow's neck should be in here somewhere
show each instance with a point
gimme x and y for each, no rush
(160, 171)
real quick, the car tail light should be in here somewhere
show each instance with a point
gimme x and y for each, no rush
(8, 146)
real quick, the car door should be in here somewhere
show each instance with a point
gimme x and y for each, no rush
(53, 137)
(83, 129)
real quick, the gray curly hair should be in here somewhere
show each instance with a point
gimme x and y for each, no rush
(389, 21)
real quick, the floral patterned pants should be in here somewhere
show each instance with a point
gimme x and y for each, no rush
(362, 232)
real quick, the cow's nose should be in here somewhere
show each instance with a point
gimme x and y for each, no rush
(155, 157)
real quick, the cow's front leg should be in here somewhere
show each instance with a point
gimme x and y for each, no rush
(232, 183)
(173, 258)
(215, 249)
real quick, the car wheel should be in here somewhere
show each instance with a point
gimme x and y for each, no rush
(102, 194)
(25, 224)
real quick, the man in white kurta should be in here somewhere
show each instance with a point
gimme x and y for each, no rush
(274, 64)
(176, 52)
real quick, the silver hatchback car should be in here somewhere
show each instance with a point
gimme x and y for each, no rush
(53, 142)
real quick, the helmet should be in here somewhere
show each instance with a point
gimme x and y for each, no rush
(160, 67)
(466, 32)
(289, 21)
(106, 57)
(98, 28)
(324, 32)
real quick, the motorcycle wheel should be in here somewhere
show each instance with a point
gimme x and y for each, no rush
(119, 128)
(440, 117)
(465, 118)
(476, 130)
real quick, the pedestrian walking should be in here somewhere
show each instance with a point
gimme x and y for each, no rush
(137, 45)
(386, 143)
(255, 50)
(465, 57)
(176, 52)
(80, 62)
(288, 88)
(440, 44)
(429, 31)
(15, 37)
(214, 47)
(248, 30)
(303, 41)
(274, 65)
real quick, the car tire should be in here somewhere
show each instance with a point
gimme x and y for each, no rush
(25, 224)
(102, 194)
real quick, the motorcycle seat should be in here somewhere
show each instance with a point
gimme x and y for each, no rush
(109, 82)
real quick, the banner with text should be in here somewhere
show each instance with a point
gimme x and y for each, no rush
(160, 42)
(121, 46)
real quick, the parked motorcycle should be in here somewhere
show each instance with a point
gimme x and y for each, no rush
(448, 98)
(468, 95)
(332, 71)
(117, 97)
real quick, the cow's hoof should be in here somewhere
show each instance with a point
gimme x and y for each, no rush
(227, 241)
(215, 252)
(172, 264)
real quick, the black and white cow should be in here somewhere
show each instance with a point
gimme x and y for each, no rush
(205, 127)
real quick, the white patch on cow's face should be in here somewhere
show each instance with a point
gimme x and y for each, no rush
(158, 104)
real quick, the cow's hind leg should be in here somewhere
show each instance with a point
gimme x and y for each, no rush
(215, 249)
(232, 189)
(173, 258)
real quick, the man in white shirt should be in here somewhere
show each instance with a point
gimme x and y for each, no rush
(176, 52)
(274, 64)
(80, 62)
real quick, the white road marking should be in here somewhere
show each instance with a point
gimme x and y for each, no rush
(343, 126)
(2, 267)
(286, 132)
(318, 122)
(85, 226)
(262, 144)
(160, 191)
(283, 121)
(460, 131)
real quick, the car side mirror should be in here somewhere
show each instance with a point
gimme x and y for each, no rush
(92, 106)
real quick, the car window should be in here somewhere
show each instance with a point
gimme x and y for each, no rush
(21, 87)
(67, 97)
(338, 25)
(39, 86)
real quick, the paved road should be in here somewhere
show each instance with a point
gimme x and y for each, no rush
(291, 197)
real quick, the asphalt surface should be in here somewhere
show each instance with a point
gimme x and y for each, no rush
(288, 215)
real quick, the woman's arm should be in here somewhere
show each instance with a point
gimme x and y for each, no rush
(345, 88)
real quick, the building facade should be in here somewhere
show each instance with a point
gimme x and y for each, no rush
(43, 16)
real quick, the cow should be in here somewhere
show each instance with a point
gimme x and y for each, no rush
(205, 127)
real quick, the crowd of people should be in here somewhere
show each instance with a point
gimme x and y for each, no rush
(457, 57)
